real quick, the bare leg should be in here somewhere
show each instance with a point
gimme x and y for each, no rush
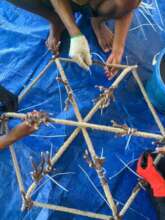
(37, 7)
(103, 34)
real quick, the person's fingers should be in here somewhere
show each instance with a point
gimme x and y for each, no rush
(53, 46)
(106, 50)
(110, 60)
(110, 73)
(107, 73)
(161, 150)
(103, 45)
(80, 61)
(113, 72)
(107, 68)
(88, 58)
(107, 47)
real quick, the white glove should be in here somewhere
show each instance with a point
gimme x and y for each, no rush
(80, 52)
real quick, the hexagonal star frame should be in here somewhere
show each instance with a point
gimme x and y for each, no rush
(82, 125)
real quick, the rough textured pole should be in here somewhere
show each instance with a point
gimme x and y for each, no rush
(16, 166)
(86, 137)
(17, 169)
(137, 188)
(135, 191)
(104, 128)
(99, 63)
(152, 109)
(72, 211)
(82, 125)
(115, 85)
(127, 205)
(150, 106)
(29, 87)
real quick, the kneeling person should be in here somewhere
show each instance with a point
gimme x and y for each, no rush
(60, 15)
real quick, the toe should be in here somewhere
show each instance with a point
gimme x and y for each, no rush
(107, 47)
(104, 46)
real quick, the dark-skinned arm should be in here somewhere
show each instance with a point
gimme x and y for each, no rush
(32, 122)
(79, 47)
(121, 31)
(64, 10)
(16, 134)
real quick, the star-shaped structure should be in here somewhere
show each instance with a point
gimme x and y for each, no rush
(94, 161)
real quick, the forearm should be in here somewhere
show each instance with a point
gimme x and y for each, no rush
(15, 134)
(121, 30)
(64, 10)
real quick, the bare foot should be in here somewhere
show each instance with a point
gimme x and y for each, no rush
(55, 33)
(103, 34)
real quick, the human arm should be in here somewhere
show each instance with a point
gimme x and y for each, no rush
(79, 47)
(64, 10)
(16, 134)
(121, 30)
(32, 122)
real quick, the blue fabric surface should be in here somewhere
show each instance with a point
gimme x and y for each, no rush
(23, 55)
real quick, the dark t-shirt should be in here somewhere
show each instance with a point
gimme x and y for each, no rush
(8, 101)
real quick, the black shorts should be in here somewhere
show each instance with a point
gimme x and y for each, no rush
(75, 7)
(8, 101)
(85, 9)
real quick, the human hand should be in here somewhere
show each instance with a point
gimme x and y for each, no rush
(80, 51)
(114, 58)
(35, 119)
(160, 150)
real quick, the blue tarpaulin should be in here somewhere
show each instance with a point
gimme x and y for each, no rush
(23, 55)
